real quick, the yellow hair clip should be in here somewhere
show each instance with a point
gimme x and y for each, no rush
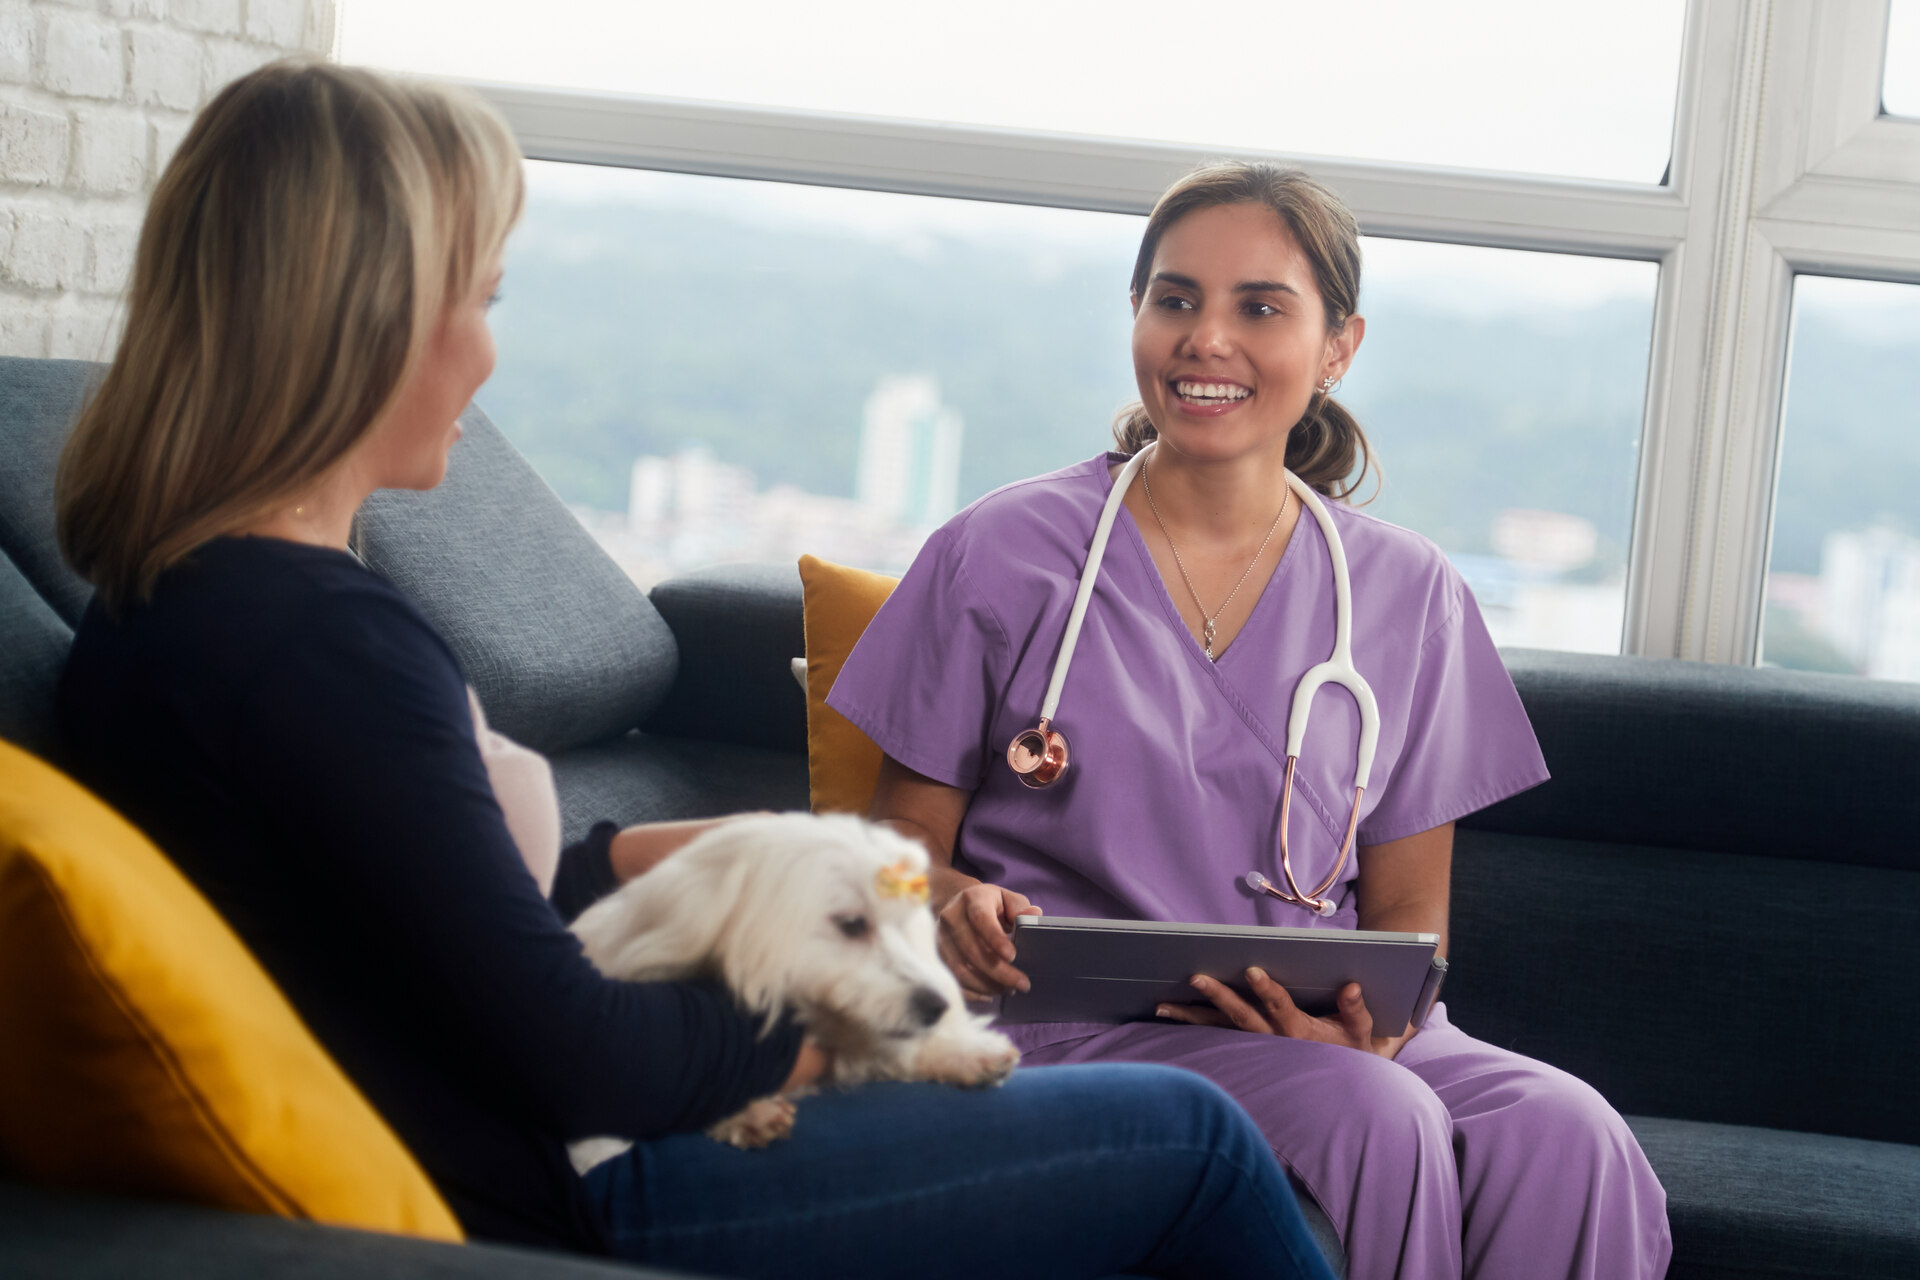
(900, 881)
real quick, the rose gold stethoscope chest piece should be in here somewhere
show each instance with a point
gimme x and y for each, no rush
(1038, 756)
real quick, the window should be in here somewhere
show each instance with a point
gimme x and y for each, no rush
(1494, 84)
(1843, 585)
(710, 369)
(1496, 125)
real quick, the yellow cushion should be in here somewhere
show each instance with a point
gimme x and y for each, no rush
(146, 1052)
(843, 764)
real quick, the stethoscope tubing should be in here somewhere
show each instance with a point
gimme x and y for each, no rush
(1338, 669)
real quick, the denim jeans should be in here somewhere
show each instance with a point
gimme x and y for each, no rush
(1061, 1172)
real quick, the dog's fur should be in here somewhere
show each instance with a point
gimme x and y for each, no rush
(792, 911)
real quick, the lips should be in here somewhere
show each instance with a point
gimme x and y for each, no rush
(1208, 395)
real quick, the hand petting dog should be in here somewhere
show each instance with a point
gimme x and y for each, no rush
(824, 916)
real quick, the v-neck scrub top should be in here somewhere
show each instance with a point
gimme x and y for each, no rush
(1174, 787)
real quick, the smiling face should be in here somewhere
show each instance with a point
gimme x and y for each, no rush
(1230, 339)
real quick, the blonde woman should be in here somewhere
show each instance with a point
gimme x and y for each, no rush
(307, 319)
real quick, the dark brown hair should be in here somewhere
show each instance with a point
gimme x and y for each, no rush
(1325, 444)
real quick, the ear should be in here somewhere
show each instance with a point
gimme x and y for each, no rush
(665, 924)
(1342, 347)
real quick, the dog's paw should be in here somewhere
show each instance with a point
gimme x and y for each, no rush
(762, 1121)
(973, 1059)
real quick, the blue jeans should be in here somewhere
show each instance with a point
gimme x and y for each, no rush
(1061, 1172)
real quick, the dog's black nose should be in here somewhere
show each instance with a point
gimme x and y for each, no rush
(928, 1005)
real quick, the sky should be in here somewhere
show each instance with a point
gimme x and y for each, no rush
(1584, 90)
(1875, 313)
(1900, 92)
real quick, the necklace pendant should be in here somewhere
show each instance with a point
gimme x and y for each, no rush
(1207, 642)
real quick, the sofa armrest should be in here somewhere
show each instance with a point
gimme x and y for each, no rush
(739, 628)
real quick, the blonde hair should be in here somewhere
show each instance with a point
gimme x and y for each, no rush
(1324, 445)
(298, 252)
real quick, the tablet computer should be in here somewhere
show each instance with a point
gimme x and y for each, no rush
(1120, 970)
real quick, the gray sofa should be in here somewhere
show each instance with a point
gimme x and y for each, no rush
(1712, 912)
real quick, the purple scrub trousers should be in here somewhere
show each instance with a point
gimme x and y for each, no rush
(1456, 1158)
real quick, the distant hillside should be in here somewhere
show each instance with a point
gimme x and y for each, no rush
(629, 330)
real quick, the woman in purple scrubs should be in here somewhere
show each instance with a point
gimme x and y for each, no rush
(1433, 1153)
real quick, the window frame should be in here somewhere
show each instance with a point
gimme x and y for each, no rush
(1782, 163)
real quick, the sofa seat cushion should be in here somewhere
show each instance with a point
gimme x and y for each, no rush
(1767, 1202)
(646, 777)
(147, 1052)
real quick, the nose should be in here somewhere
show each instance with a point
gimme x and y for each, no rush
(928, 1005)
(1208, 336)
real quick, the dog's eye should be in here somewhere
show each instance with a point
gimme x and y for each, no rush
(853, 926)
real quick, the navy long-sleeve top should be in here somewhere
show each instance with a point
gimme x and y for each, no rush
(284, 724)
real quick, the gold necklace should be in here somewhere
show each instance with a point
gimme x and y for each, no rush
(1207, 627)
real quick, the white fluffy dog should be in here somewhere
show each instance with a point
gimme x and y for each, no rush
(826, 916)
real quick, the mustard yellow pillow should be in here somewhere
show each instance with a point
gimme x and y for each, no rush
(146, 1052)
(843, 764)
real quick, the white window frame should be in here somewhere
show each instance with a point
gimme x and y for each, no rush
(1782, 163)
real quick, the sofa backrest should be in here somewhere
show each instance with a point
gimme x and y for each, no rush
(562, 647)
(1710, 911)
(1696, 755)
(33, 648)
(39, 400)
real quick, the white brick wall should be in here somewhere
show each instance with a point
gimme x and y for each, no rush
(94, 97)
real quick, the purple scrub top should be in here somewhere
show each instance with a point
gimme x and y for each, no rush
(1173, 790)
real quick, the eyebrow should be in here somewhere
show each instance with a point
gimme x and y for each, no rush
(1245, 286)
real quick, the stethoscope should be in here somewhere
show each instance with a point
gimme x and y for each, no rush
(1039, 755)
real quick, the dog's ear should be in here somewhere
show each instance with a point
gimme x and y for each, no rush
(668, 923)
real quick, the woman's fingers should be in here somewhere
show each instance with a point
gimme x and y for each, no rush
(1015, 904)
(1355, 1018)
(1198, 1015)
(971, 924)
(1282, 1012)
(964, 954)
(972, 985)
(983, 913)
(1228, 1001)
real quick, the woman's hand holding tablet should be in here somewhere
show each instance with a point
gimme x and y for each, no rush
(1277, 1015)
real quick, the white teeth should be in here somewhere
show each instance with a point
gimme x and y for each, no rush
(1211, 391)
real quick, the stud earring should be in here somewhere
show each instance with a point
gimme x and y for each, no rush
(1327, 385)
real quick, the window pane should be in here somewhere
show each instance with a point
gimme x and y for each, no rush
(1584, 90)
(708, 369)
(1843, 587)
(1900, 91)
